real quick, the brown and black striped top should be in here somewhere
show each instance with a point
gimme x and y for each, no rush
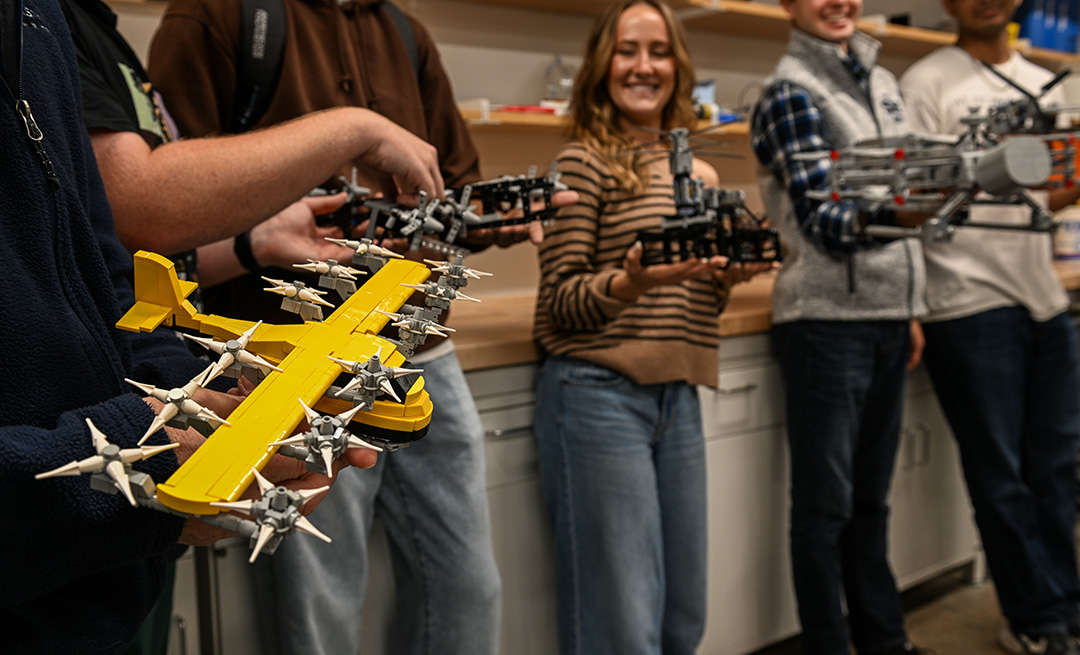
(668, 334)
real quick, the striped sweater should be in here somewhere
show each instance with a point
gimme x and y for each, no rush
(670, 333)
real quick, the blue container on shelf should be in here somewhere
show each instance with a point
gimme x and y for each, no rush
(1051, 24)
(1032, 26)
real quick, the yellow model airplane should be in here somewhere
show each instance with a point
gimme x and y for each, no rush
(301, 366)
(306, 360)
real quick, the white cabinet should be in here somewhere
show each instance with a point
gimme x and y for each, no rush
(932, 527)
(750, 596)
(520, 529)
(751, 601)
(214, 602)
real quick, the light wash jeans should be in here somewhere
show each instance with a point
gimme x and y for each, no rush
(623, 473)
(432, 499)
(1010, 387)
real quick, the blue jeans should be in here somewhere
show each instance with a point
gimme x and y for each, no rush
(432, 500)
(622, 468)
(1010, 387)
(844, 385)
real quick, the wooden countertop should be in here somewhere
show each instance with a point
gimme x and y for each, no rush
(498, 331)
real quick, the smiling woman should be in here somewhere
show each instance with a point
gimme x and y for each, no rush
(641, 78)
(618, 424)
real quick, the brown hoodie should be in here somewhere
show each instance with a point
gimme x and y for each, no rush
(336, 54)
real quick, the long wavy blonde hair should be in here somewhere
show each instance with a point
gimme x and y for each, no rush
(594, 114)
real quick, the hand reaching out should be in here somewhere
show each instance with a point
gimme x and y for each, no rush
(292, 237)
(413, 162)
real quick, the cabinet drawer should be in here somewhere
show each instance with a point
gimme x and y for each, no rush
(748, 349)
(746, 399)
(511, 458)
(499, 381)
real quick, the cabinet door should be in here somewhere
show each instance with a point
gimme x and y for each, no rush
(228, 589)
(751, 600)
(932, 527)
(524, 546)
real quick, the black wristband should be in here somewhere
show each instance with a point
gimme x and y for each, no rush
(242, 248)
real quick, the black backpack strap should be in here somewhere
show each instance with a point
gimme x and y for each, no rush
(259, 64)
(263, 48)
(404, 27)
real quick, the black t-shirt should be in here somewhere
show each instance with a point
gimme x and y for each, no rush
(116, 91)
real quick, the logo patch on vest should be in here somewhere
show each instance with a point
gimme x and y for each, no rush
(893, 108)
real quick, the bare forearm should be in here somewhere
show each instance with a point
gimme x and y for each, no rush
(1063, 197)
(189, 193)
(218, 263)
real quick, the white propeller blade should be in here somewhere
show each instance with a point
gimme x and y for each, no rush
(343, 363)
(357, 442)
(461, 296)
(97, 437)
(148, 389)
(305, 526)
(245, 506)
(265, 532)
(298, 440)
(392, 315)
(355, 382)
(168, 413)
(347, 416)
(131, 455)
(91, 464)
(264, 484)
(308, 412)
(362, 248)
(389, 390)
(115, 470)
(313, 296)
(308, 494)
(328, 460)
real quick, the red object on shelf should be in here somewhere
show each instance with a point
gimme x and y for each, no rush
(528, 109)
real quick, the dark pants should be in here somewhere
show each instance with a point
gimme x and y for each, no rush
(844, 384)
(1010, 387)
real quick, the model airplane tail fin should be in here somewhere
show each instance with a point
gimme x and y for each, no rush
(160, 297)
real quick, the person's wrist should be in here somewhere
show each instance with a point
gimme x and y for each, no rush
(242, 249)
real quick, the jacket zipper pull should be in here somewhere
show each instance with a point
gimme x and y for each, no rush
(35, 134)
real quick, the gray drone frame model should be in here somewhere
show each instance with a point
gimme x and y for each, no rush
(943, 175)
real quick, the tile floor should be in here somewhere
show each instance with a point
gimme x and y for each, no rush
(947, 614)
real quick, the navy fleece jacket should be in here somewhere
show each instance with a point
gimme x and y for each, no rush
(80, 569)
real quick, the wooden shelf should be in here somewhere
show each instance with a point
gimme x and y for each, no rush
(517, 120)
(578, 7)
(762, 21)
(550, 123)
(757, 20)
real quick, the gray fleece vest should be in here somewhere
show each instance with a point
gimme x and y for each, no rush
(889, 280)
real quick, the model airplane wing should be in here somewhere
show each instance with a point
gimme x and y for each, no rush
(221, 469)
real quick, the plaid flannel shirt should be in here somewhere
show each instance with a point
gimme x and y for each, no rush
(786, 122)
